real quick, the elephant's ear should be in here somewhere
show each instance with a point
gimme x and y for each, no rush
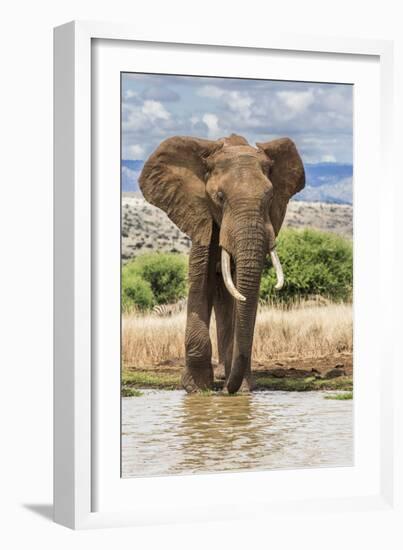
(173, 178)
(287, 176)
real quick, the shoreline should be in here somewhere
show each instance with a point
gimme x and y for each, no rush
(334, 372)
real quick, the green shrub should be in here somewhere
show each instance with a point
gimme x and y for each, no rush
(314, 263)
(136, 292)
(166, 275)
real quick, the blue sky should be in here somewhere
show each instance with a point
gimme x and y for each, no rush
(317, 116)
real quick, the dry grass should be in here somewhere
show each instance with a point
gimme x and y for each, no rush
(302, 332)
(147, 339)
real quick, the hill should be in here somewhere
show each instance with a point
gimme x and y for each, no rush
(146, 228)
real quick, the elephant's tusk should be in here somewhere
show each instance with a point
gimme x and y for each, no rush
(277, 266)
(226, 273)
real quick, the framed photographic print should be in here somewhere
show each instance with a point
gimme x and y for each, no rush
(219, 276)
(186, 324)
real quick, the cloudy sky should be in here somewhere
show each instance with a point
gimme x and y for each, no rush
(318, 117)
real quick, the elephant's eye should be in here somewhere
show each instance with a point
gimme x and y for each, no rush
(220, 196)
(267, 167)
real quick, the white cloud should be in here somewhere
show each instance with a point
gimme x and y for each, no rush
(240, 103)
(318, 117)
(328, 158)
(160, 93)
(146, 118)
(155, 110)
(131, 96)
(211, 121)
(135, 152)
(236, 101)
(211, 91)
(296, 101)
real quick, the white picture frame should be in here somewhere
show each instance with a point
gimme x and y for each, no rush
(88, 491)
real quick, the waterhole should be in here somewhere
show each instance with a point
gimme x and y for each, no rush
(170, 432)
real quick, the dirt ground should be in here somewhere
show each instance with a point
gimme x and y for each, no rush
(331, 366)
(327, 367)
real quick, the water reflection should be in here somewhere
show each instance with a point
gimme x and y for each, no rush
(222, 429)
(171, 432)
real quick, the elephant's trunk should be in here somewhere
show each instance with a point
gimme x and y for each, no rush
(249, 260)
(229, 283)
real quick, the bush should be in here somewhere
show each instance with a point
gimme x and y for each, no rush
(166, 275)
(314, 263)
(136, 292)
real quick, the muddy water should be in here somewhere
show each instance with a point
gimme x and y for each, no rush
(169, 432)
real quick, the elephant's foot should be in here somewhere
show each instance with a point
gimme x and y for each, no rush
(196, 379)
(248, 384)
(219, 372)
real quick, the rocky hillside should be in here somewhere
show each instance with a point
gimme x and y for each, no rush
(147, 228)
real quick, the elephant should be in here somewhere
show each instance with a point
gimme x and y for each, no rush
(230, 198)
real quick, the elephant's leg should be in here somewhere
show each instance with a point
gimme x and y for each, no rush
(224, 314)
(198, 372)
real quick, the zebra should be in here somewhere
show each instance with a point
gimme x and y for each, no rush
(312, 300)
(167, 310)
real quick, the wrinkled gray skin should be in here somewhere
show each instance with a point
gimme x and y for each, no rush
(228, 195)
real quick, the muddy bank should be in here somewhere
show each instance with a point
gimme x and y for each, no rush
(333, 372)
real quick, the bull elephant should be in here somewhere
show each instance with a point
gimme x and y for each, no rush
(230, 198)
